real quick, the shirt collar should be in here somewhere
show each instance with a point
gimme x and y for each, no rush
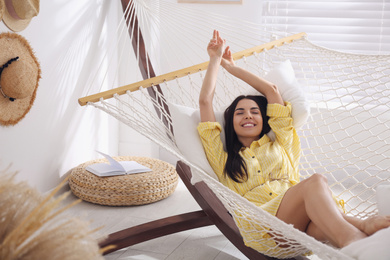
(263, 140)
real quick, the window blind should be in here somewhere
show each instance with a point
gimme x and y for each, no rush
(358, 26)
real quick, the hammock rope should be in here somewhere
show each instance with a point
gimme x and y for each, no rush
(345, 137)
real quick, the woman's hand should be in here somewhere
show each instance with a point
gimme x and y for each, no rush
(216, 45)
(215, 50)
(227, 59)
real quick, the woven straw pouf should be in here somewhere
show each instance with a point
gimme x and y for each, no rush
(125, 190)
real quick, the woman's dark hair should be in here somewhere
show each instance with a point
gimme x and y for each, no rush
(235, 166)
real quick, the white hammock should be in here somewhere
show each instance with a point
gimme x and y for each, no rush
(345, 136)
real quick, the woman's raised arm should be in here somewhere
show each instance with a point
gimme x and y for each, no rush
(215, 50)
(268, 89)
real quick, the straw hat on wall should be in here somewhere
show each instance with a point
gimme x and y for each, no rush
(19, 76)
(1, 9)
(18, 13)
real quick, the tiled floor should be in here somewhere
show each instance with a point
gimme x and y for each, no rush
(205, 243)
(202, 243)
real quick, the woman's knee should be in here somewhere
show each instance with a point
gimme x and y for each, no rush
(319, 178)
(316, 181)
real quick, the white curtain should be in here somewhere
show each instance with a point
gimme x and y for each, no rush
(361, 26)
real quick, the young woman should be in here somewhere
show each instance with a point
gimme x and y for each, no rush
(266, 172)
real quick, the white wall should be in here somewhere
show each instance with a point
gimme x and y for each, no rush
(58, 134)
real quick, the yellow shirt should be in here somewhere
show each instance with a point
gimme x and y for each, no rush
(272, 166)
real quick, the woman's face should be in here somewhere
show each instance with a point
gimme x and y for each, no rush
(247, 121)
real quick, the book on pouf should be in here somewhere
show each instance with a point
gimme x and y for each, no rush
(113, 167)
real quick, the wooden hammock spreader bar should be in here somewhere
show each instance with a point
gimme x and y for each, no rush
(184, 72)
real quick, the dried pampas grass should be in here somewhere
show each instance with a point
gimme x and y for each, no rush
(35, 227)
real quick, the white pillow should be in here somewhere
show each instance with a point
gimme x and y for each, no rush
(375, 247)
(185, 123)
(283, 76)
(186, 119)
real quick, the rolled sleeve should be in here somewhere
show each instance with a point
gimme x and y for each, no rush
(277, 110)
(210, 136)
(281, 123)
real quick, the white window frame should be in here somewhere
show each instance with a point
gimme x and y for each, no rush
(357, 26)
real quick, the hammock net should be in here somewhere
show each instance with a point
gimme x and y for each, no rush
(345, 136)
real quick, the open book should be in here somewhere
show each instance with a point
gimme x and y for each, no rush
(114, 168)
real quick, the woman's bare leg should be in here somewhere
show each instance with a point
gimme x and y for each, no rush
(369, 225)
(309, 206)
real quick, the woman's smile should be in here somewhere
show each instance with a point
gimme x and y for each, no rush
(248, 125)
(247, 121)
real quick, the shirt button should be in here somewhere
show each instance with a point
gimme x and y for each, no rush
(258, 171)
(253, 157)
(270, 193)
